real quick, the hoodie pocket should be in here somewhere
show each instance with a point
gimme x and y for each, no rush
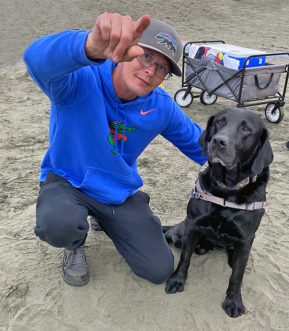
(109, 187)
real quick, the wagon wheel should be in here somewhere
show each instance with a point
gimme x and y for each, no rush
(208, 99)
(183, 98)
(274, 112)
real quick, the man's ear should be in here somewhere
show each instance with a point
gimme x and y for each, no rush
(264, 155)
(207, 135)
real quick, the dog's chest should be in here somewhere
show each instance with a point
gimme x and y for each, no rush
(220, 231)
(216, 223)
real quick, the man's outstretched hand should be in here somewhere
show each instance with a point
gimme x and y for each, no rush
(115, 37)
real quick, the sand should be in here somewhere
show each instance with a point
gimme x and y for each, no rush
(33, 295)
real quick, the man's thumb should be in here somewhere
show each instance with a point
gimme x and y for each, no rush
(134, 52)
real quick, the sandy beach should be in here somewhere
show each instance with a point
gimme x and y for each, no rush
(33, 295)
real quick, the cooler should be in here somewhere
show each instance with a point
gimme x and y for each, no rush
(229, 56)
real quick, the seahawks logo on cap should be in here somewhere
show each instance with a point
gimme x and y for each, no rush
(164, 38)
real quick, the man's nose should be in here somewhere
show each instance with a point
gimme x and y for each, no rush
(151, 70)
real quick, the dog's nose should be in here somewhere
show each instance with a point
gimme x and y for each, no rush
(221, 141)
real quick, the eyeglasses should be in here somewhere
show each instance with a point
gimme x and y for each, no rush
(147, 61)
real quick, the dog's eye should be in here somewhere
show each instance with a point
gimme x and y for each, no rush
(219, 122)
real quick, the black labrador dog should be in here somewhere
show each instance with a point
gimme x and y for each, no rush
(227, 203)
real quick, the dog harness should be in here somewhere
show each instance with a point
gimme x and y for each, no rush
(199, 193)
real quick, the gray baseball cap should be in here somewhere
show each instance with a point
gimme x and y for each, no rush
(162, 38)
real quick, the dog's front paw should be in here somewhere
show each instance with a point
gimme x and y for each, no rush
(175, 284)
(233, 308)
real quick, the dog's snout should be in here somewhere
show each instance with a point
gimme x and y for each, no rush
(221, 141)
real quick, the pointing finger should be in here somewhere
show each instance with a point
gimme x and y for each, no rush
(140, 25)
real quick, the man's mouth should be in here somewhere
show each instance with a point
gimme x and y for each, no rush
(143, 81)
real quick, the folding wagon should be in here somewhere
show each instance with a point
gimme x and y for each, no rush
(248, 86)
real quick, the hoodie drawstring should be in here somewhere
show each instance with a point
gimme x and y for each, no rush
(122, 140)
(122, 132)
(116, 132)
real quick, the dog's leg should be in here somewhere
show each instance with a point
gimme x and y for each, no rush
(233, 305)
(230, 252)
(166, 228)
(177, 281)
(95, 225)
(175, 234)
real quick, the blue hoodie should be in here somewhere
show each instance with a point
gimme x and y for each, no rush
(95, 139)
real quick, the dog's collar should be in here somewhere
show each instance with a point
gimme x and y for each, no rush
(199, 193)
(241, 184)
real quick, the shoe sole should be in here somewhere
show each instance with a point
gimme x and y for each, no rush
(76, 283)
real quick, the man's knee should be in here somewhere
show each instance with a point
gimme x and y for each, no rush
(64, 227)
(157, 273)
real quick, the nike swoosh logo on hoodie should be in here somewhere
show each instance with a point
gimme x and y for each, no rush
(146, 112)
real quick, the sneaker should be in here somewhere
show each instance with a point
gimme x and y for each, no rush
(74, 267)
(287, 144)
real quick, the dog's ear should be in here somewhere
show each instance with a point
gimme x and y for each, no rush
(207, 135)
(264, 155)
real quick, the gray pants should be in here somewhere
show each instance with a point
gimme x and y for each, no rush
(61, 221)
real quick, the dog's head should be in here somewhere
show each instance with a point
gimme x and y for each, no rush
(237, 137)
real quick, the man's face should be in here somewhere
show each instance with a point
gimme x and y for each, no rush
(141, 80)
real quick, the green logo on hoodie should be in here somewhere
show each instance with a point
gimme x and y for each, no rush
(121, 131)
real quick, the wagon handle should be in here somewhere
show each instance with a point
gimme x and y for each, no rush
(257, 82)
